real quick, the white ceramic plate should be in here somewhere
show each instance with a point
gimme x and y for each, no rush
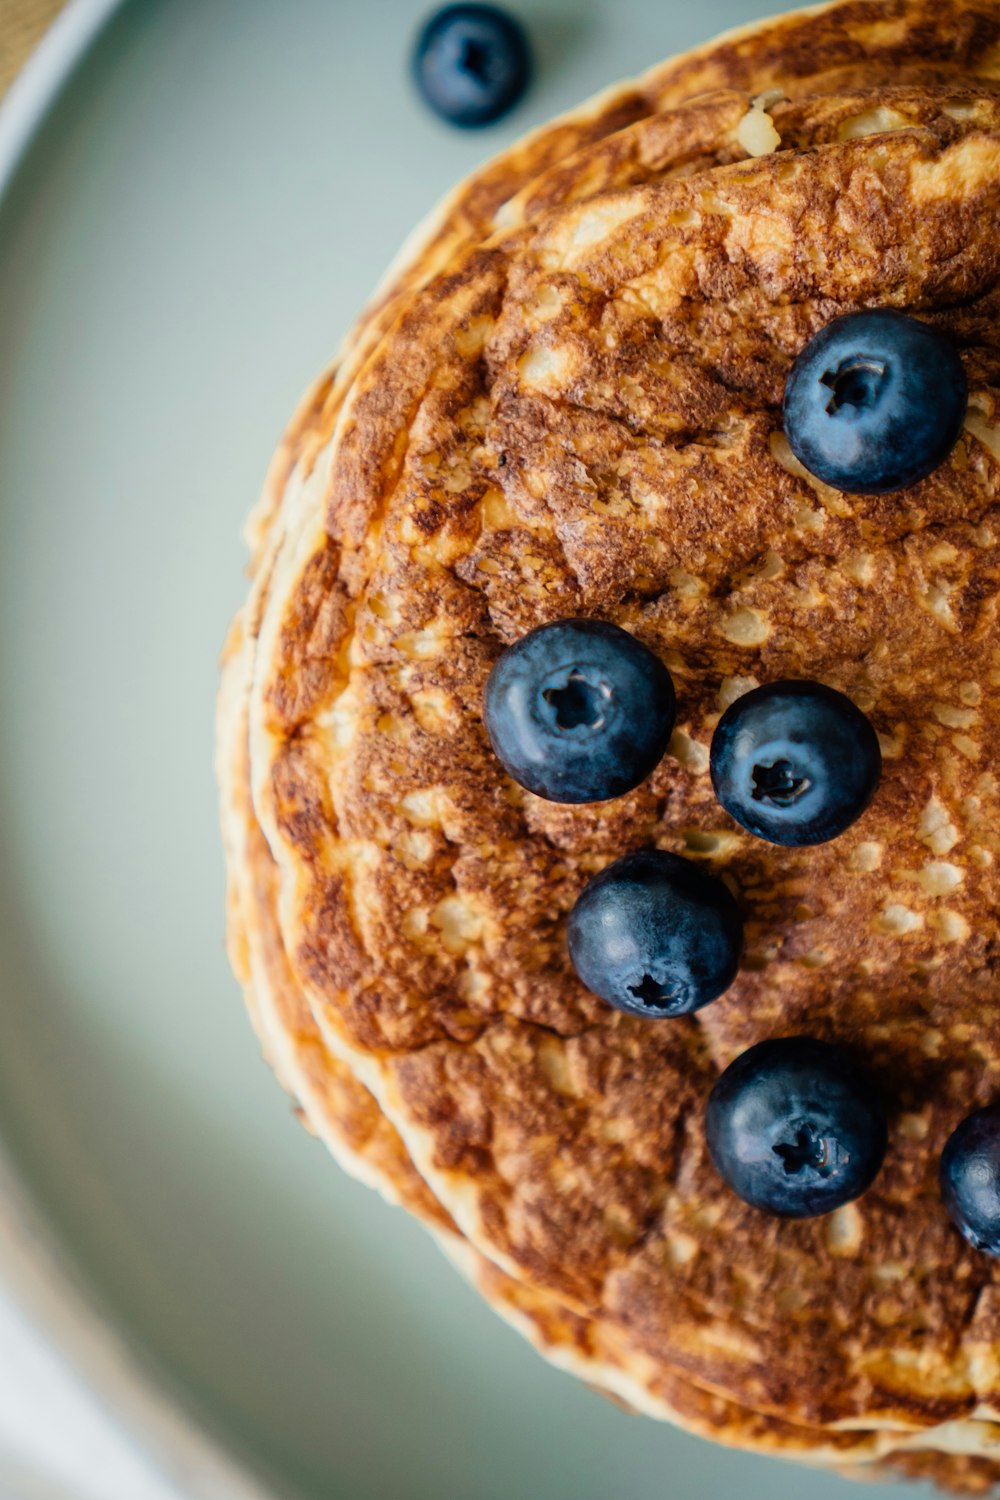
(211, 194)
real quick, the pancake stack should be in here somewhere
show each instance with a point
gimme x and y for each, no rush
(566, 401)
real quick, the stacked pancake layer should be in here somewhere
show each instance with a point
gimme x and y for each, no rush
(567, 402)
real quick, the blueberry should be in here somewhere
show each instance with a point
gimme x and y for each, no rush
(875, 402)
(655, 935)
(794, 1128)
(579, 711)
(472, 63)
(970, 1178)
(795, 762)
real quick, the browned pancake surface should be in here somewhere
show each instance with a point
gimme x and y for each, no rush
(583, 417)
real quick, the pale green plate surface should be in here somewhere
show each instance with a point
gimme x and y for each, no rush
(211, 198)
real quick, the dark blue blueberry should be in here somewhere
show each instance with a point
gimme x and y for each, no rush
(875, 402)
(472, 63)
(579, 711)
(795, 1128)
(795, 762)
(970, 1178)
(655, 935)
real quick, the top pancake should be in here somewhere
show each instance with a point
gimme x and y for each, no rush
(581, 416)
(824, 46)
(347, 1119)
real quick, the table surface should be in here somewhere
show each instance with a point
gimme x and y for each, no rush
(23, 23)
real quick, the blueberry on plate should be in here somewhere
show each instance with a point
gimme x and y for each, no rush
(794, 1128)
(655, 935)
(472, 63)
(795, 762)
(875, 402)
(970, 1178)
(579, 711)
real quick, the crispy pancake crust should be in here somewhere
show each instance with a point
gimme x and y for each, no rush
(818, 46)
(346, 1117)
(581, 416)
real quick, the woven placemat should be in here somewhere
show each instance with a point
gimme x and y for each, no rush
(22, 23)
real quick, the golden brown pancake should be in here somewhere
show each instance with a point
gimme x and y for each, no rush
(348, 1120)
(581, 416)
(817, 47)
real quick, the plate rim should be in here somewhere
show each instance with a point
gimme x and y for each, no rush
(43, 76)
(36, 1268)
